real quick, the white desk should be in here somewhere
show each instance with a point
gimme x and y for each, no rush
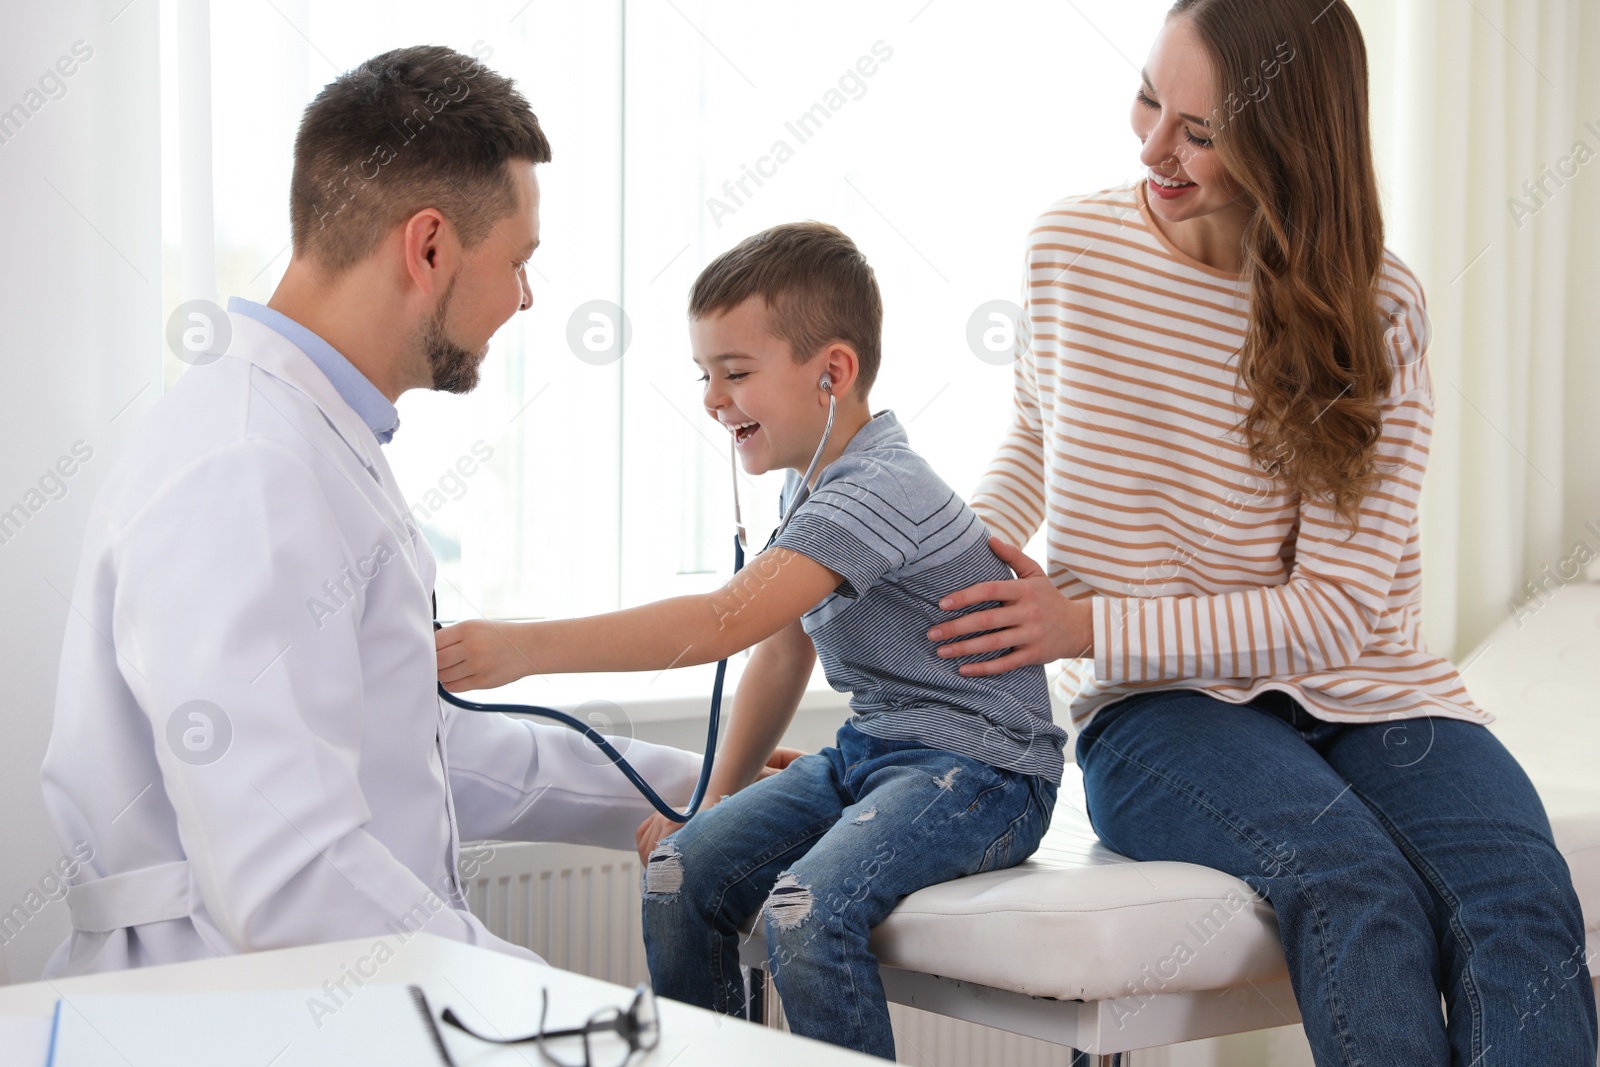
(502, 989)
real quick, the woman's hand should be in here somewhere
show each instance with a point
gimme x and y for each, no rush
(1032, 619)
(479, 654)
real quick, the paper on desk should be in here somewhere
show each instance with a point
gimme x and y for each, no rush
(25, 1039)
(286, 1028)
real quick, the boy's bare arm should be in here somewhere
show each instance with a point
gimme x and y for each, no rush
(771, 592)
(769, 692)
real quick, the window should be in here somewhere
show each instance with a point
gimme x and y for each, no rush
(929, 132)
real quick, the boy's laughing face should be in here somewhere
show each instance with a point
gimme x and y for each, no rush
(754, 388)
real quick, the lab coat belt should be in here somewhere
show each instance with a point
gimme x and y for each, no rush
(131, 898)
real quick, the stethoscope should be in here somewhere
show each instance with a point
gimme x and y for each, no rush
(740, 544)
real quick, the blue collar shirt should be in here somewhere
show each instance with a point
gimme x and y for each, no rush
(352, 386)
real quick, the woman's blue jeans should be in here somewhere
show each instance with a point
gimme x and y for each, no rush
(829, 846)
(1404, 859)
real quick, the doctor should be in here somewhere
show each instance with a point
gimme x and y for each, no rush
(246, 769)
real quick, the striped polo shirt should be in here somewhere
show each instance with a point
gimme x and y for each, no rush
(881, 519)
(1202, 571)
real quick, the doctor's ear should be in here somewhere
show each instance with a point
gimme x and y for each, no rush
(432, 250)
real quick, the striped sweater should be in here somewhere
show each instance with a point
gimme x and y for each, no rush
(1202, 571)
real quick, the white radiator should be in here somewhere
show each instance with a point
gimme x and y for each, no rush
(578, 907)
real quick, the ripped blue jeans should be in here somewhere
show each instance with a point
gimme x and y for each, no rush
(828, 848)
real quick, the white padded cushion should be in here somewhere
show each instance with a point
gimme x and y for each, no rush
(1080, 922)
(1540, 675)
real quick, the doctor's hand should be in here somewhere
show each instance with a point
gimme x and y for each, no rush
(479, 654)
(1032, 619)
(653, 829)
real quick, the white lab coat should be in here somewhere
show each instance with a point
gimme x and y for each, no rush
(337, 804)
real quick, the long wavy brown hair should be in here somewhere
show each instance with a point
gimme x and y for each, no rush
(1290, 129)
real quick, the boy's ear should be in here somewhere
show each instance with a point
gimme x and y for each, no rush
(842, 366)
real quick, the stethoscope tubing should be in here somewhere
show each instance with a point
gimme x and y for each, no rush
(595, 737)
(598, 740)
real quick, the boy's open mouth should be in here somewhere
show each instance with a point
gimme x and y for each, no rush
(744, 431)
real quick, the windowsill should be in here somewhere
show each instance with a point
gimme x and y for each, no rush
(681, 695)
(647, 697)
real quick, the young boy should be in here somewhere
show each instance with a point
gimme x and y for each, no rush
(936, 775)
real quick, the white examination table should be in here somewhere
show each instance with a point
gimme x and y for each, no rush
(1076, 946)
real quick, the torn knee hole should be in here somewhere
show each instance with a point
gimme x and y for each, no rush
(866, 816)
(789, 903)
(663, 875)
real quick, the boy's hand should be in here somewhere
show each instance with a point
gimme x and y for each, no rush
(780, 758)
(478, 654)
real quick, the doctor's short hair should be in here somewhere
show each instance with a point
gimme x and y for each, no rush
(818, 287)
(410, 129)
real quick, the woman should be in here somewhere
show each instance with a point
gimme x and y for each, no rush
(1223, 414)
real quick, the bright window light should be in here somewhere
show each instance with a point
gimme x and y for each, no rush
(572, 481)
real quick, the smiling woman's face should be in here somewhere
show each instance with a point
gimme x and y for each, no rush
(1170, 117)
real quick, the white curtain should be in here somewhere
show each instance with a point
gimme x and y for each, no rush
(1487, 115)
(80, 178)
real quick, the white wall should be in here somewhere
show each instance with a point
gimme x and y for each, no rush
(80, 277)
(1582, 391)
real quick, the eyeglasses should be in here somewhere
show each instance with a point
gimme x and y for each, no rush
(638, 1027)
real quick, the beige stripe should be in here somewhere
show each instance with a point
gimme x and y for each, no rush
(1124, 398)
